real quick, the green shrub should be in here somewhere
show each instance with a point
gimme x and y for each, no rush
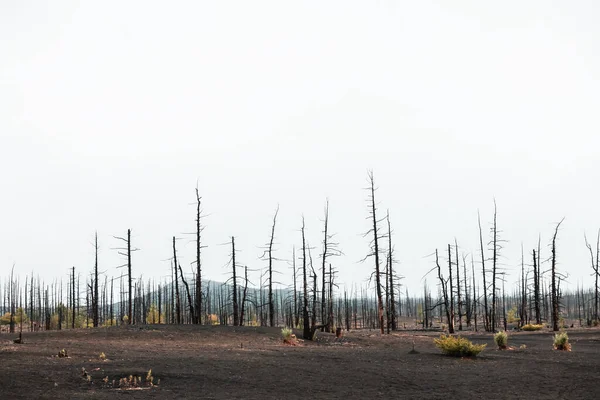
(458, 346)
(532, 327)
(288, 335)
(501, 340)
(561, 341)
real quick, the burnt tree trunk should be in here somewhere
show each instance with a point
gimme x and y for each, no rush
(197, 318)
(375, 253)
(177, 297)
(554, 294)
(391, 274)
(189, 296)
(486, 321)
(451, 290)
(243, 309)
(459, 304)
(236, 320)
(306, 334)
(270, 258)
(444, 293)
(95, 295)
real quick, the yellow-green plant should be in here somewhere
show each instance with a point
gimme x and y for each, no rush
(561, 341)
(501, 340)
(458, 346)
(532, 327)
(287, 334)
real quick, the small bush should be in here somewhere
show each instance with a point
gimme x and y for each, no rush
(102, 356)
(561, 341)
(532, 327)
(458, 346)
(288, 336)
(501, 340)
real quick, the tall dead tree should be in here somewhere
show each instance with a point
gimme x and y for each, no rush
(295, 276)
(95, 293)
(330, 249)
(390, 273)
(483, 273)
(555, 292)
(12, 294)
(177, 297)
(536, 289)
(243, 310)
(523, 313)
(451, 290)
(197, 318)
(73, 304)
(189, 296)
(444, 286)
(459, 298)
(236, 320)
(596, 269)
(128, 250)
(305, 316)
(324, 318)
(474, 293)
(268, 256)
(375, 248)
(495, 254)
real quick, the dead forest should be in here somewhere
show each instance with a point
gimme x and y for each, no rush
(314, 301)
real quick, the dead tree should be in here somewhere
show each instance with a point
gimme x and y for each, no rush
(443, 284)
(244, 294)
(474, 293)
(296, 313)
(555, 293)
(189, 296)
(483, 273)
(330, 249)
(450, 291)
(236, 320)
(73, 304)
(95, 293)
(375, 248)
(177, 298)
(523, 316)
(390, 273)
(268, 255)
(459, 303)
(468, 305)
(596, 269)
(197, 318)
(536, 289)
(11, 293)
(496, 247)
(128, 250)
(305, 316)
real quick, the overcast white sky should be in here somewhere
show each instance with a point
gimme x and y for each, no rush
(110, 112)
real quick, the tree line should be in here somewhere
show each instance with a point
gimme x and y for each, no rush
(314, 301)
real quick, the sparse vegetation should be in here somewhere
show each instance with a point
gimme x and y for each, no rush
(102, 356)
(501, 340)
(532, 327)
(458, 346)
(63, 354)
(561, 341)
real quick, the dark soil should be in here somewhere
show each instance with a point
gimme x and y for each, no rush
(214, 362)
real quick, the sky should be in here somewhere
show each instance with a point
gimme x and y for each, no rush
(111, 113)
